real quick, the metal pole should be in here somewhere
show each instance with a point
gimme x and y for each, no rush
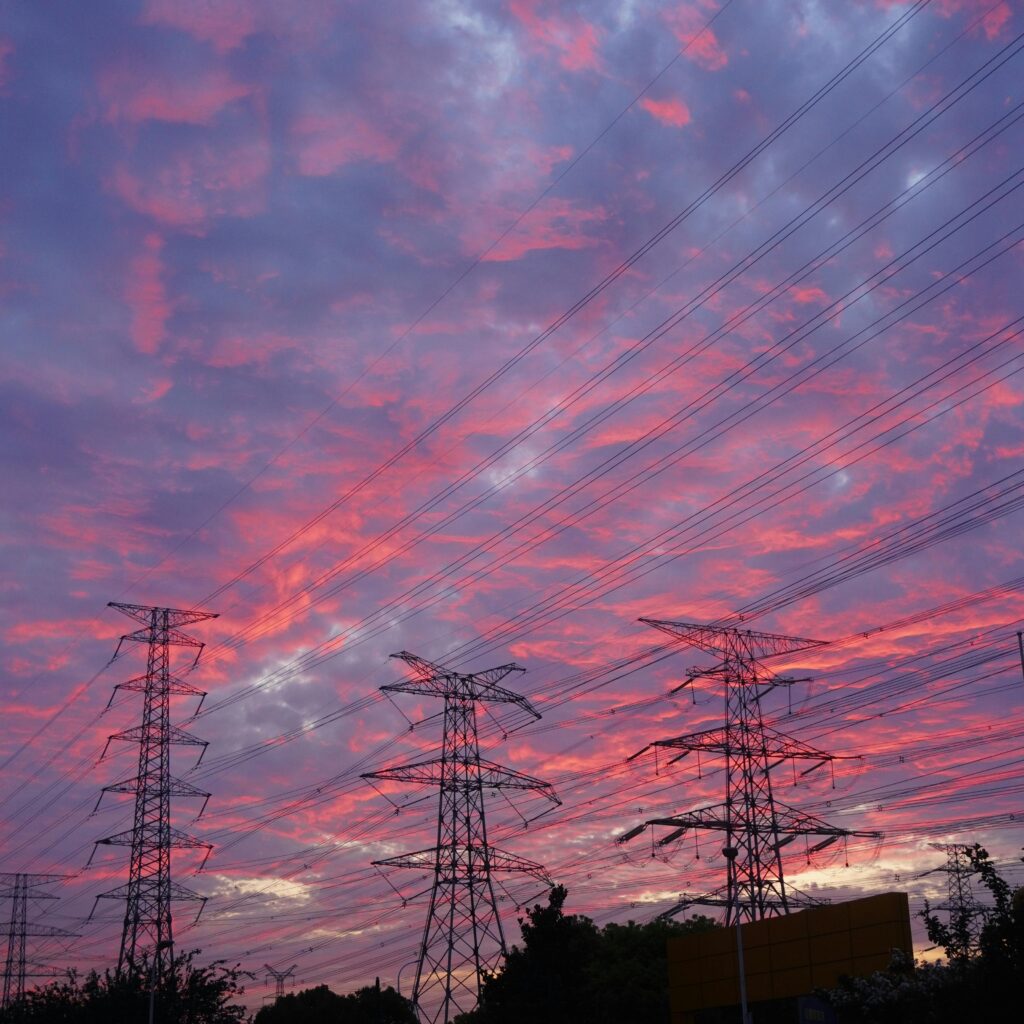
(1020, 644)
(745, 1013)
(731, 853)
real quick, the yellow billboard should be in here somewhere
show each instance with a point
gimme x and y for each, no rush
(788, 956)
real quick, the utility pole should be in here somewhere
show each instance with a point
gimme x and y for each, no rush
(462, 938)
(20, 888)
(149, 893)
(755, 825)
(280, 977)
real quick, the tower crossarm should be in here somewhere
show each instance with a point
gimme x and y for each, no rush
(10, 879)
(176, 787)
(716, 898)
(790, 823)
(726, 641)
(176, 838)
(770, 744)
(137, 734)
(493, 858)
(174, 685)
(175, 616)
(176, 892)
(490, 776)
(798, 823)
(424, 859)
(40, 931)
(432, 680)
(501, 861)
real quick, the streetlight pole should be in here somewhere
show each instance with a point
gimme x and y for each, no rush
(730, 853)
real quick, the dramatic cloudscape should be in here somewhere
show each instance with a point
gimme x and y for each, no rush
(481, 330)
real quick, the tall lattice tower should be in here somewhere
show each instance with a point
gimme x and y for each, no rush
(755, 824)
(149, 893)
(280, 977)
(966, 915)
(463, 938)
(20, 888)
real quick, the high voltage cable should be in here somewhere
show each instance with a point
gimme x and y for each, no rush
(621, 360)
(537, 424)
(965, 30)
(570, 166)
(622, 268)
(304, 660)
(477, 260)
(576, 594)
(922, 121)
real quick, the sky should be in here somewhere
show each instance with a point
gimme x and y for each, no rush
(481, 330)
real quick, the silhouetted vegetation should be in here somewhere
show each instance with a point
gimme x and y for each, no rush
(186, 995)
(568, 969)
(369, 1005)
(985, 980)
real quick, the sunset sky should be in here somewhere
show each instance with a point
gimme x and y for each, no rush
(480, 330)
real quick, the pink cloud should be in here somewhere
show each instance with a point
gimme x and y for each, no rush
(557, 224)
(154, 391)
(224, 24)
(327, 142)
(808, 295)
(702, 46)
(672, 112)
(992, 24)
(177, 99)
(196, 184)
(147, 297)
(996, 20)
(236, 350)
(575, 39)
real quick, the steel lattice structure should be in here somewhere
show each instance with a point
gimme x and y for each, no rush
(149, 892)
(20, 888)
(756, 826)
(280, 977)
(463, 937)
(966, 915)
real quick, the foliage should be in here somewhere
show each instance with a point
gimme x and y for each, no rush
(567, 969)
(187, 994)
(988, 977)
(320, 1005)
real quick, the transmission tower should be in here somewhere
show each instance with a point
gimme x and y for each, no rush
(20, 888)
(966, 915)
(149, 893)
(462, 938)
(280, 977)
(756, 826)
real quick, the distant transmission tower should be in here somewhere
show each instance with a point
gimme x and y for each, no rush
(20, 888)
(755, 825)
(463, 938)
(280, 977)
(966, 915)
(149, 892)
